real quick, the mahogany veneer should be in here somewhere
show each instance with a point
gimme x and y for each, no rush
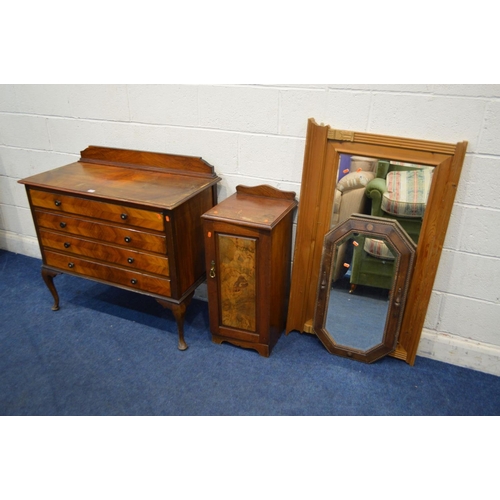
(248, 240)
(130, 219)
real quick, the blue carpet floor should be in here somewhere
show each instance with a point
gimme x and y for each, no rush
(112, 352)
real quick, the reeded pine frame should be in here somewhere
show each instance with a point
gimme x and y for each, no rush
(321, 159)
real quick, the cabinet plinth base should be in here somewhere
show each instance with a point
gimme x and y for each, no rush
(263, 349)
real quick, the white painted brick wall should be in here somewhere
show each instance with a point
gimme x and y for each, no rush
(478, 183)
(242, 109)
(165, 105)
(24, 131)
(255, 134)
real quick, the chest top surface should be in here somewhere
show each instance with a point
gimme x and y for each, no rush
(155, 179)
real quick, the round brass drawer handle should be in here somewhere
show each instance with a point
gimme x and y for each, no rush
(66, 244)
(57, 203)
(124, 216)
(127, 239)
(133, 281)
(71, 265)
(130, 260)
(62, 224)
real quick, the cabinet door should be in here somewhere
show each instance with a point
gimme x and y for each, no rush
(233, 282)
(237, 281)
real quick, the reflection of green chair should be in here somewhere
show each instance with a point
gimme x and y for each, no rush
(400, 192)
(372, 263)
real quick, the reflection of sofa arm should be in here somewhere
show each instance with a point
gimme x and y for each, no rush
(337, 199)
(375, 189)
(345, 204)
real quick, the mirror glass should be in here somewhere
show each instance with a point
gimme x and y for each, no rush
(358, 320)
(382, 187)
(363, 266)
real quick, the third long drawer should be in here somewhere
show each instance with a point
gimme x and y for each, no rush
(109, 253)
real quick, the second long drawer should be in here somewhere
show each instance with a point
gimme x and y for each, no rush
(102, 232)
(108, 253)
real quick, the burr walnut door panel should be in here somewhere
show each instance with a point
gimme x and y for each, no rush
(234, 282)
(237, 281)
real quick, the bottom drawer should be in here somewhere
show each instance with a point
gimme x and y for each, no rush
(113, 275)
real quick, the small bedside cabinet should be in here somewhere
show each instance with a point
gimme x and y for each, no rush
(130, 219)
(248, 240)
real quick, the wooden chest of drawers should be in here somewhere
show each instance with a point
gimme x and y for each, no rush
(248, 240)
(127, 218)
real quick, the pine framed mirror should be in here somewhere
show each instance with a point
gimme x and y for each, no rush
(325, 148)
(363, 326)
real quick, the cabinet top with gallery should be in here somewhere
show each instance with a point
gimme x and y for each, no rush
(158, 180)
(260, 206)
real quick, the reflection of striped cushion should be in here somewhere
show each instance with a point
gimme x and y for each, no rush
(377, 248)
(407, 192)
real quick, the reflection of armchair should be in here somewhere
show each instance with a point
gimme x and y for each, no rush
(400, 192)
(350, 198)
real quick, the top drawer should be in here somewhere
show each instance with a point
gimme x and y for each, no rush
(97, 209)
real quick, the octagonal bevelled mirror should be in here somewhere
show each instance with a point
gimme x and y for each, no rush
(359, 311)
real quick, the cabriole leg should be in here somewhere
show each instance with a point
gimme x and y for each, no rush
(48, 277)
(179, 311)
